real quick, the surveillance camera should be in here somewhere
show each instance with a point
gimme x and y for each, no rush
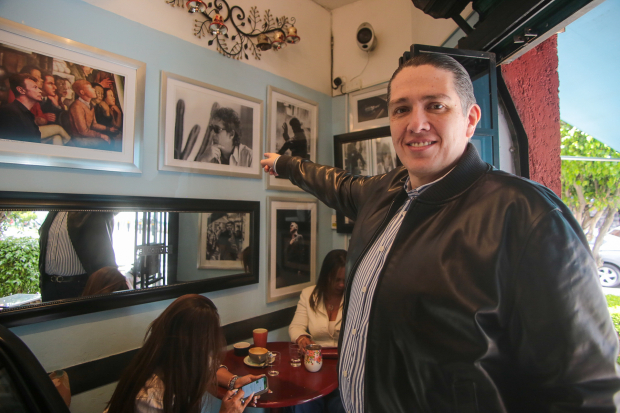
(366, 39)
(338, 81)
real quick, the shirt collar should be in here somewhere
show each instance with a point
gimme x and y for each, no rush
(417, 191)
(84, 102)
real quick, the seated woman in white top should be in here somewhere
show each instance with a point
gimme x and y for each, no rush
(318, 318)
(179, 363)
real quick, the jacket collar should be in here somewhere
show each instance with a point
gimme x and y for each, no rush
(465, 173)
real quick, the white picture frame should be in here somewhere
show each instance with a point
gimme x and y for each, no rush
(65, 58)
(283, 107)
(187, 141)
(368, 108)
(224, 236)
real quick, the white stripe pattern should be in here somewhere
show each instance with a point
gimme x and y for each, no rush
(60, 257)
(353, 352)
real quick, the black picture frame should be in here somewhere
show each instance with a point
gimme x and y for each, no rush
(35, 201)
(369, 145)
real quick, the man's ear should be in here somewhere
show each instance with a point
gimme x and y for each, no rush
(473, 117)
(20, 90)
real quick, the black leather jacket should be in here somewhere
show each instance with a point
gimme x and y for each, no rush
(489, 299)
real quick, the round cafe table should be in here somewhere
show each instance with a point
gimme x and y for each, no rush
(293, 386)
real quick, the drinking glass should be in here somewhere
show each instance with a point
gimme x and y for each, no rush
(295, 353)
(273, 361)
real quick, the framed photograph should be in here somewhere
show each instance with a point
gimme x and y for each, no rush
(224, 240)
(368, 108)
(292, 246)
(88, 108)
(369, 152)
(292, 128)
(209, 130)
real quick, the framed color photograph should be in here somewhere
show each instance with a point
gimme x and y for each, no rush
(368, 108)
(88, 107)
(368, 152)
(209, 130)
(292, 246)
(292, 128)
(224, 240)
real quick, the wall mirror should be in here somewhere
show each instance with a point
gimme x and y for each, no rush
(164, 247)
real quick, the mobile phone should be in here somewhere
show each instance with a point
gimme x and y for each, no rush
(257, 387)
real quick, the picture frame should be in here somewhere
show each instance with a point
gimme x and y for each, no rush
(230, 146)
(225, 240)
(296, 117)
(368, 152)
(368, 108)
(91, 145)
(292, 234)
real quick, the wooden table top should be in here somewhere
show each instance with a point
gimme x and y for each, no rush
(293, 386)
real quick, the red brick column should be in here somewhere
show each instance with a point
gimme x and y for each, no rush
(533, 83)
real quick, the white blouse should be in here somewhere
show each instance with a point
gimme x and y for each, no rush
(315, 323)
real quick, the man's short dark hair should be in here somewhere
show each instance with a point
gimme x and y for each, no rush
(231, 122)
(462, 81)
(18, 80)
(29, 68)
(47, 74)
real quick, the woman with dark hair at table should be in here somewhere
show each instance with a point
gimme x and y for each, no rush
(317, 320)
(179, 363)
(105, 280)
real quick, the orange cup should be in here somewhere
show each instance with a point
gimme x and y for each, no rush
(260, 337)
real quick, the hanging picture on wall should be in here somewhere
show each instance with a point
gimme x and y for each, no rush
(368, 108)
(207, 129)
(367, 153)
(85, 106)
(292, 246)
(292, 123)
(224, 240)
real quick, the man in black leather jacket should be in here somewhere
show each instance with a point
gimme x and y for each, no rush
(484, 296)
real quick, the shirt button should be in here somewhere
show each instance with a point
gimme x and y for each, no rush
(353, 331)
(363, 289)
(344, 373)
(381, 248)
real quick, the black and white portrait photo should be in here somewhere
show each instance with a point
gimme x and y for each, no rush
(357, 157)
(292, 246)
(224, 239)
(211, 131)
(292, 129)
(384, 156)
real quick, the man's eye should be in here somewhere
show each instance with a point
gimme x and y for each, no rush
(437, 106)
(398, 111)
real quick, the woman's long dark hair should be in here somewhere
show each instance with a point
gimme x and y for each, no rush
(334, 261)
(183, 348)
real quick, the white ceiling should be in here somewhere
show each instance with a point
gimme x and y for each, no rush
(333, 4)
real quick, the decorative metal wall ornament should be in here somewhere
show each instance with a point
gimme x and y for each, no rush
(259, 35)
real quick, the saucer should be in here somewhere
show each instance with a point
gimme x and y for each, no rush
(250, 363)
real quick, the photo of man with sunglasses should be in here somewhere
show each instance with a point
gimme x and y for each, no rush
(223, 143)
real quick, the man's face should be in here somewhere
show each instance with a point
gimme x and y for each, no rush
(99, 92)
(88, 92)
(61, 87)
(294, 227)
(221, 137)
(429, 130)
(31, 90)
(49, 87)
(37, 75)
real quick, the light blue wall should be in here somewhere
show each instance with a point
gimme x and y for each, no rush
(75, 340)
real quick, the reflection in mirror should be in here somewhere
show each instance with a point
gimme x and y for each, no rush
(57, 255)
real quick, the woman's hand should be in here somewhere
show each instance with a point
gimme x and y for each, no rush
(242, 381)
(232, 403)
(304, 341)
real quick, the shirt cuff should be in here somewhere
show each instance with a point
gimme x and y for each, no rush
(274, 164)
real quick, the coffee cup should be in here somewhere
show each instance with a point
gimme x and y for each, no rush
(258, 355)
(241, 348)
(260, 337)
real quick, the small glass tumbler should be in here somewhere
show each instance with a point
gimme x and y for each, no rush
(295, 353)
(273, 362)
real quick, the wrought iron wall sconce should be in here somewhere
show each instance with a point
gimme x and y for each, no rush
(245, 34)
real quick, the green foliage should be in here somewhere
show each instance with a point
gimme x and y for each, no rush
(19, 266)
(590, 189)
(613, 302)
(18, 219)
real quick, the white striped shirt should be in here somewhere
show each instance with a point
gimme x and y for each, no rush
(60, 256)
(353, 351)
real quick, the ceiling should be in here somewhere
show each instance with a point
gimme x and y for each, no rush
(588, 68)
(333, 4)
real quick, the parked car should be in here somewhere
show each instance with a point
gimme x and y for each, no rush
(609, 272)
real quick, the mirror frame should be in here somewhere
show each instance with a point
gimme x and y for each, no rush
(38, 201)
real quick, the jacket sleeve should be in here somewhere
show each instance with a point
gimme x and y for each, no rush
(299, 325)
(335, 187)
(560, 329)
